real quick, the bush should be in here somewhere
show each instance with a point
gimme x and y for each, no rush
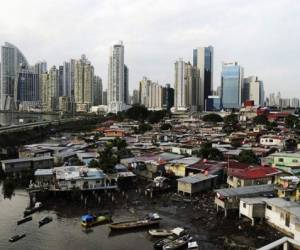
(212, 118)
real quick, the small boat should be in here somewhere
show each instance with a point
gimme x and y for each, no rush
(89, 220)
(160, 232)
(17, 237)
(19, 222)
(37, 207)
(151, 220)
(45, 221)
(158, 245)
(178, 243)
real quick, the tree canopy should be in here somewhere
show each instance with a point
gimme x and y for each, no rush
(248, 156)
(212, 118)
(210, 153)
(291, 121)
(260, 120)
(166, 126)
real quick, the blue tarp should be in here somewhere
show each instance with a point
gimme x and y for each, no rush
(87, 218)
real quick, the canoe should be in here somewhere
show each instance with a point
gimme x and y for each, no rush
(19, 222)
(91, 221)
(45, 221)
(178, 243)
(32, 210)
(158, 245)
(16, 237)
(133, 224)
(160, 232)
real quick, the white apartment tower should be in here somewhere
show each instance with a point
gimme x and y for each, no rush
(116, 80)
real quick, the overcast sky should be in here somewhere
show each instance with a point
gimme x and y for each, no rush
(262, 35)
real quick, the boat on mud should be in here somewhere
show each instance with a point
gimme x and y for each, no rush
(158, 245)
(17, 237)
(19, 222)
(45, 221)
(37, 207)
(178, 243)
(151, 220)
(89, 220)
(160, 232)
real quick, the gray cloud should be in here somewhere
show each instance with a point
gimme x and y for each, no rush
(262, 35)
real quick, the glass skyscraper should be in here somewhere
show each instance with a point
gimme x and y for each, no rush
(231, 83)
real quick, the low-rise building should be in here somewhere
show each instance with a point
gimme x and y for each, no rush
(178, 167)
(196, 183)
(288, 187)
(252, 208)
(271, 141)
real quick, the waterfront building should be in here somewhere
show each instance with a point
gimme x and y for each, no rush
(84, 81)
(116, 86)
(11, 61)
(28, 88)
(253, 89)
(231, 84)
(203, 60)
(40, 67)
(97, 91)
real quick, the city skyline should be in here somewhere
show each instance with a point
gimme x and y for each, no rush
(151, 51)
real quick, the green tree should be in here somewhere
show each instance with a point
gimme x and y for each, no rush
(247, 156)
(119, 143)
(156, 116)
(137, 112)
(291, 121)
(166, 126)
(94, 164)
(108, 159)
(75, 162)
(212, 118)
(260, 120)
(210, 153)
(231, 119)
(143, 127)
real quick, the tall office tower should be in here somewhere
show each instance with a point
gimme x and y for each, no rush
(136, 96)
(126, 85)
(278, 99)
(253, 89)
(97, 91)
(203, 60)
(167, 97)
(45, 86)
(116, 90)
(192, 84)
(84, 81)
(61, 81)
(272, 100)
(11, 61)
(53, 89)
(28, 93)
(219, 91)
(40, 67)
(295, 103)
(104, 97)
(179, 87)
(69, 78)
(231, 82)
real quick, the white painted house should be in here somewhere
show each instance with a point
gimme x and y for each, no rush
(284, 215)
(271, 141)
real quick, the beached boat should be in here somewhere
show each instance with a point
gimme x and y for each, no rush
(17, 237)
(37, 207)
(19, 222)
(178, 243)
(160, 232)
(158, 245)
(45, 221)
(151, 220)
(89, 220)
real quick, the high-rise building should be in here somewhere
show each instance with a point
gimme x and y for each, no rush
(126, 85)
(61, 81)
(179, 88)
(136, 96)
(272, 100)
(11, 61)
(28, 93)
(277, 99)
(150, 94)
(295, 103)
(104, 97)
(203, 60)
(40, 67)
(231, 83)
(167, 97)
(53, 89)
(97, 91)
(84, 82)
(116, 85)
(253, 89)
(69, 78)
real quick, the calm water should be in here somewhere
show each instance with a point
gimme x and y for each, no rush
(13, 118)
(65, 231)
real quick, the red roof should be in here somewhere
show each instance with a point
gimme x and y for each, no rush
(257, 172)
